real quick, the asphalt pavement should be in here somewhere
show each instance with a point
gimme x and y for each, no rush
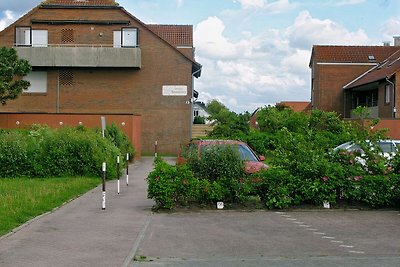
(128, 233)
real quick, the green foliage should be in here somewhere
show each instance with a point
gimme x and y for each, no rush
(276, 187)
(45, 152)
(227, 124)
(199, 120)
(120, 140)
(217, 162)
(170, 185)
(12, 70)
(305, 169)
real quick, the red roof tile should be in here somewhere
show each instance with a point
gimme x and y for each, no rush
(176, 35)
(382, 71)
(81, 2)
(296, 106)
(351, 54)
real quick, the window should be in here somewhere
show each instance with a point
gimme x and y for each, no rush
(39, 38)
(387, 93)
(196, 113)
(117, 39)
(126, 37)
(38, 80)
(22, 36)
(25, 36)
(129, 37)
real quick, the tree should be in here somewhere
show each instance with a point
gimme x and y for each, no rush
(12, 69)
(227, 124)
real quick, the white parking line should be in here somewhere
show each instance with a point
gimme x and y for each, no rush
(346, 246)
(356, 252)
(312, 229)
(319, 233)
(337, 241)
(328, 237)
(304, 225)
(299, 222)
(291, 219)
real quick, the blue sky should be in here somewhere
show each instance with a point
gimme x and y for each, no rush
(256, 52)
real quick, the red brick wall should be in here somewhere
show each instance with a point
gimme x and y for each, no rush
(111, 91)
(328, 84)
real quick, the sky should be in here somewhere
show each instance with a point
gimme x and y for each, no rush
(256, 52)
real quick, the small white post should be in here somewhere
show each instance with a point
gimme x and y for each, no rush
(127, 169)
(103, 203)
(155, 148)
(118, 184)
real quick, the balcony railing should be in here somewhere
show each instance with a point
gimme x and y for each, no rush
(81, 56)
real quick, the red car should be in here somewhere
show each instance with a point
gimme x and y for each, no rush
(253, 162)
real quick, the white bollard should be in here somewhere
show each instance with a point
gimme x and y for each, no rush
(127, 169)
(103, 203)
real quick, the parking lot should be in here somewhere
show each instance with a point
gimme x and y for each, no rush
(272, 238)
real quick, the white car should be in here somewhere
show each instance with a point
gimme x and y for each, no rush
(389, 148)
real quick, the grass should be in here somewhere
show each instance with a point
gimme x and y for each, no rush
(22, 199)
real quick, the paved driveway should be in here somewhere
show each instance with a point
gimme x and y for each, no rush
(321, 238)
(81, 234)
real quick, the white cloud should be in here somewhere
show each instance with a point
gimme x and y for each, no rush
(8, 18)
(348, 2)
(179, 3)
(391, 28)
(307, 31)
(250, 4)
(273, 7)
(257, 68)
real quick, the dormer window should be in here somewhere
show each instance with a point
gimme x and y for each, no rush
(371, 57)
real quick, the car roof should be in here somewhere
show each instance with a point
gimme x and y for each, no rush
(217, 141)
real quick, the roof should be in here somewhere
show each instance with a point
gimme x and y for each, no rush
(297, 106)
(351, 54)
(81, 2)
(176, 35)
(383, 70)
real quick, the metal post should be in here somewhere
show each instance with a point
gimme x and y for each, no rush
(118, 184)
(155, 148)
(103, 204)
(127, 169)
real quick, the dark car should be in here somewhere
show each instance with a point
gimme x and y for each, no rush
(252, 161)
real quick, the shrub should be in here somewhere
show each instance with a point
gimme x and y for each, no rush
(44, 152)
(217, 162)
(120, 140)
(276, 187)
(171, 185)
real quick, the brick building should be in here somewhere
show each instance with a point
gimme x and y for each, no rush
(335, 69)
(94, 57)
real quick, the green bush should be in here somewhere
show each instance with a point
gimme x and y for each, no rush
(44, 152)
(217, 162)
(171, 185)
(276, 187)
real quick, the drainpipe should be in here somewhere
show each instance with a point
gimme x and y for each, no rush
(393, 103)
(58, 93)
(191, 104)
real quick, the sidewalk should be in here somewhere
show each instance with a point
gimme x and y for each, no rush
(81, 233)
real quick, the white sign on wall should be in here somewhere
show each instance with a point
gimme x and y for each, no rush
(174, 90)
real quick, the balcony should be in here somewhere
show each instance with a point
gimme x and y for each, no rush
(81, 56)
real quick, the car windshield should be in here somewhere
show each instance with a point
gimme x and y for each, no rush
(245, 152)
(387, 147)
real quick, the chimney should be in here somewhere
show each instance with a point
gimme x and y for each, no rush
(396, 40)
(386, 43)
